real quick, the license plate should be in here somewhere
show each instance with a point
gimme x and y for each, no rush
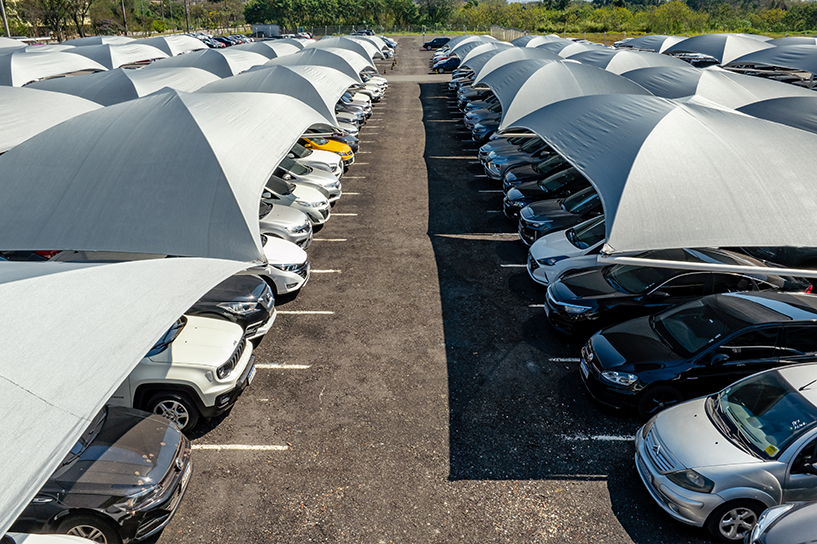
(585, 370)
(250, 376)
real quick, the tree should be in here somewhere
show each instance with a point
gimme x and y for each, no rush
(436, 11)
(78, 10)
(52, 14)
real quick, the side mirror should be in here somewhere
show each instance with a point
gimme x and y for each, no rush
(308, 144)
(290, 155)
(287, 177)
(719, 358)
(266, 194)
(659, 294)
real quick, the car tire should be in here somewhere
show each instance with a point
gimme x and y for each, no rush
(732, 521)
(93, 528)
(440, 70)
(176, 407)
(657, 398)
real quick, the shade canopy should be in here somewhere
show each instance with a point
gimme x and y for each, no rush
(794, 40)
(794, 111)
(673, 175)
(462, 49)
(723, 47)
(57, 389)
(323, 57)
(526, 85)
(172, 173)
(115, 55)
(483, 48)
(720, 86)
(174, 45)
(567, 48)
(291, 41)
(364, 48)
(796, 57)
(18, 67)
(655, 42)
(454, 42)
(221, 62)
(376, 40)
(98, 40)
(534, 41)
(517, 53)
(622, 60)
(120, 85)
(25, 112)
(47, 48)
(263, 49)
(10, 43)
(317, 86)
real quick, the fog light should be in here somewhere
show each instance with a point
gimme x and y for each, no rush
(291, 285)
(223, 400)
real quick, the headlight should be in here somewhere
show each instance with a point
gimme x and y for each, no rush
(550, 261)
(479, 126)
(767, 518)
(535, 225)
(140, 498)
(619, 378)
(298, 229)
(308, 204)
(515, 204)
(286, 267)
(238, 308)
(574, 309)
(689, 479)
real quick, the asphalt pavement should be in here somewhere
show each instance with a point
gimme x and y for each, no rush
(414, 392)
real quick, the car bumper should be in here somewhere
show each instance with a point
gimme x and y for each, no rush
(614, 398)
(349, 162)
(511, 210)
(537, 272)
(225, 401)
(685, 506)
(257, 330)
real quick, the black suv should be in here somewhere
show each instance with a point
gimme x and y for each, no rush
(435, 43)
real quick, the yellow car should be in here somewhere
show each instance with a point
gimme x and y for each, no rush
(316, 142)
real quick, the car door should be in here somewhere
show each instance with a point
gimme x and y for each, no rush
(739, 356)
(731, 283)
(798, 344)
(800, 485)
(677, 290)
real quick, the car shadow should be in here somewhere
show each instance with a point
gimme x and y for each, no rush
(517, 407)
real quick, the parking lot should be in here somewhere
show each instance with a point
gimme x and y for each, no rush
(414, 392)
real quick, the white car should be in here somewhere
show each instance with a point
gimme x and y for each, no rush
(286, 223)
(317, 157)
(300, 197)
(318, 177)
(19, 538)
(287, 265)
(198, 368)
(554, 254)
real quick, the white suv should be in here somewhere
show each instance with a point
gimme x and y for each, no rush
(197, 369)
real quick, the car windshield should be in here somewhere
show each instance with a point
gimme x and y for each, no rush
(580, 202)
(319, 141)
(558, 180)
(87, 437)
(691, 327)
(548, 164)
(264, 209)
(300, 151)
(637, 279)
(168, 337)
(767, 411)
(587, 234)
(531, 146)
(496, 107)
(279, 186)
(294, 167)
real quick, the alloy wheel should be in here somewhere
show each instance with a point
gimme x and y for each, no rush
(738, 522)
(90, 532)
(173, 410)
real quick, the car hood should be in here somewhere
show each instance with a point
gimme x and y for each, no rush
(530, 189)
(588, 283)
(309, 194)
(279, 251)
(327, 157)
(523, 171)
(545, 210)
(285, 216)
(235, 288)
(632, 346)
(204, 341)
(553, 245)
(694, 441)
(132, 450)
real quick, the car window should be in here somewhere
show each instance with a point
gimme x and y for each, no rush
(800, 341)
(685, 285)
(587, 234)
(807, 455)
(732, 283)
(578, 202)
(756, 344)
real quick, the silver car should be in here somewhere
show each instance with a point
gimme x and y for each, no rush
(286, 223)
(786, 524)
(719, 461)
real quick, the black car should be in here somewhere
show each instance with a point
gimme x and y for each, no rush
(500, 145)
(243, 299)
(446, 65)
(482, 131)
(491, 113)
(561, 184)
(698, 348)
(516, 174)
(436, 43)
(793, 257)
(585, 300)
(121, 482)
(546, 216)
(465, 96)
(481, 104)
(533, 151)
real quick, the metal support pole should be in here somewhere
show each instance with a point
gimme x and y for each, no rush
(124, 18)
(186, 17)
(5, 19)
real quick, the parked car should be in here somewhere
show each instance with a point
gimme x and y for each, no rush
(498, 145)
(245, 300)
(792, 257)
(483, 130)
(546, 216)
(514, 175)
(786, 523)
(498, 162)
(577, 247)
(564, 182)
(28, 538)
(196, 370)
(325, 144)
(481, 104)
(121, 482)
(305, 199)
(491, 113)
(286, 223)
(316, 177)
(582, 301)
(446, 65)
(719, 461)
(317, 157)
(287, 265)
(435, 43)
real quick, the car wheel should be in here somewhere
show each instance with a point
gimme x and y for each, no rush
(440, 70)
(177, 408)
(91, 527)
(656, 399)
(732, 521)
(428, 48)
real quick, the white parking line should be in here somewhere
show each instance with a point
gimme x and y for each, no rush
(495, 211)
(363, 152)
(536, 305)
(328, 239)
(344, 214)
(513, 265)
(354, 177)
(564, 360)
(243, 447)
(352, 194)
(367, 141)
(328, 271)
(481, 176)
(599, 437)
(282, 366)
(305, 312)
(361, 163)
(492, 191)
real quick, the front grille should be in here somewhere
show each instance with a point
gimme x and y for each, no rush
(324, 213)
(657, 454)
(234, 358)
(302, 270)
(532, 264)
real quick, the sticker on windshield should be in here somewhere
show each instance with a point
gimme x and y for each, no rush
(771, 450)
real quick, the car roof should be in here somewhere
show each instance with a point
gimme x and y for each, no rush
(769, 306)
(803, 378)
(703, 255)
